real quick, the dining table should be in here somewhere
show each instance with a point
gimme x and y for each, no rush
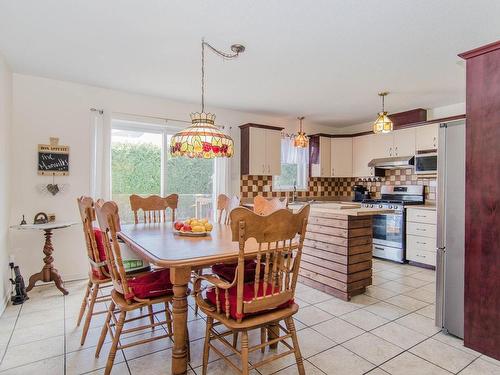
(160, 245)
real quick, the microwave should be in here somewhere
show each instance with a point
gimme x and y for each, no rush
(426, 163)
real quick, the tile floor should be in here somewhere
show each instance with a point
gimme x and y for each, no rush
(388, 330)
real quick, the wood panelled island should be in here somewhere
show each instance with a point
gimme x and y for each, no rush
(337, 253)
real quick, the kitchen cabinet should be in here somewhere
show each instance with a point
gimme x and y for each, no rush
(404, 142)
(421, 226)
(322, 165)
(260, 150)
(426, 137)
(362, 153)
(341, 157)
(382, 145)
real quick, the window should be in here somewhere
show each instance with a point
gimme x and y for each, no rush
(141, 164)
(294, 167)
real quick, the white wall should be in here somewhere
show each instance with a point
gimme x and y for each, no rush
(43, 108)
(5, 162)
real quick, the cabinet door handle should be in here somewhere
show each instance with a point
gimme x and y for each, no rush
(420, 229)
(396, 151)
(269, 168)
(434, 141)
(390, 151)
(422, 243)
(421, 215)
(421, 256)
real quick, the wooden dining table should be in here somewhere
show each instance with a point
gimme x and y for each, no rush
(158, 244)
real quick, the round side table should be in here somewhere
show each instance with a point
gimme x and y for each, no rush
(48, 272)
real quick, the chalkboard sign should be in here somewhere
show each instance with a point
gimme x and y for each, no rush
(53, 159)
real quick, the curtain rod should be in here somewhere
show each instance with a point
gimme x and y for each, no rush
(101, 111)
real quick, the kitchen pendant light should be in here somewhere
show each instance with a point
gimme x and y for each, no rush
(383, 124)
(301, 140)
(203, 139)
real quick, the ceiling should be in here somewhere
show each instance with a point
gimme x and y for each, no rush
(325, 59)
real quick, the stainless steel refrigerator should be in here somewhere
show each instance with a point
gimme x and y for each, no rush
(451, 228)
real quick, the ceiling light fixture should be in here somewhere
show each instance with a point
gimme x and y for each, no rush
(383, 124)
(301, 140)
(202, 139)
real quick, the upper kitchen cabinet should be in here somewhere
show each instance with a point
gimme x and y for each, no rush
(404, 142)
(320, 158)
(341, 161)
(362, 154)
(426, 137)
(382, 145)
(260, 150)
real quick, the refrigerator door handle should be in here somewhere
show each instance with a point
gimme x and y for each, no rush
(440, 275)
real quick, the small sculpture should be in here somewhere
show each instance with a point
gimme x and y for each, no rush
(23, 221)
(41, 218)
(20, 289)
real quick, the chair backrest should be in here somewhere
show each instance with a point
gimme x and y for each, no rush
(87, 214)
(153, 207)
(280, 237)
(263, 206)
(224, 207)
(109, 223)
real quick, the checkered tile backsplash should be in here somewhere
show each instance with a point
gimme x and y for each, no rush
(251, 185)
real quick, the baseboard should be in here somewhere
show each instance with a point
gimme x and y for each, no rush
(5, 302)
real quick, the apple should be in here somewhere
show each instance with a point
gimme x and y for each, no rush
(178, 225)
(187, 228)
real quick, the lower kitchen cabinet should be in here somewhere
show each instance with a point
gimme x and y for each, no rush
(421, 236)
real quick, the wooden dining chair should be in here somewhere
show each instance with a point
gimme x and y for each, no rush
(264, 302)
(129, 293)
(99, 277)
(264, 206)
(224, 207)
(153, 207)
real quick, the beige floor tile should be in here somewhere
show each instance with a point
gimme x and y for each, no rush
(387, 274)
(85, 361)
(443, 355)
(301, 302)
(372, 348)
(27, 320)
(308, 367)
(118, 369)
(312, 296)
(422, 295)
(409, 364)
(419, 323)
(386, 310)
(7, 325)
(74, 335)
(197, 329)
(338, 330)
(455, 342)
(363, 300)
(37, 332)
(147, 348)
(481, 367)
(52, 366)
(364, 319)
(158, 363)
(38, 350)
(337, 307)
(428, 311)
(377, 371)
(407, 303)
(310, 315)
(411, 281)
(311, 342)
(430, 287)
(339, 360)
(430, 277)
(197, 352)
(379, 293)
(378, 280)
(11, 311)
(399, 335)
(276, 365)
(219, 367)
(405, 270)
(396, 287)
(494, 361)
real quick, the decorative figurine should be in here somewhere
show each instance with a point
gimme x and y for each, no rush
(23, 221)
(41, 218)
(19, 294)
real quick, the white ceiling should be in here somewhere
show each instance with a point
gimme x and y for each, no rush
(323, 59)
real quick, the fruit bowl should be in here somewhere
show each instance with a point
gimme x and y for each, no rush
(193, 227)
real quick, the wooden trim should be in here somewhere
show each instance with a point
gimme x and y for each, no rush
(252, 125)
(245, 151)
(480, 50)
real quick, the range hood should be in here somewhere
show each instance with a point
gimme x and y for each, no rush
(397, 162)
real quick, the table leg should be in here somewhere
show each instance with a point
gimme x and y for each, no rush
(48, 272)
(180, 278)
(272, 333)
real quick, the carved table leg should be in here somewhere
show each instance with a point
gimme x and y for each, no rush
(48, 272)
(180, 278)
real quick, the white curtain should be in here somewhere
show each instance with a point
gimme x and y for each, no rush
(291, 154)
(100, 155)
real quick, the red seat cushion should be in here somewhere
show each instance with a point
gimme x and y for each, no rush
(150, 285)
(228, 270)
(248, 295)
(102, 254)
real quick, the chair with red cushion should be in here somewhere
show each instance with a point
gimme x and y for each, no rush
(99, 277)
(243, 305)
(129, 292)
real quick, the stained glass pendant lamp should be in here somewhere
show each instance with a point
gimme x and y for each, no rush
(383, 124)
(301, 140)
(203, 139)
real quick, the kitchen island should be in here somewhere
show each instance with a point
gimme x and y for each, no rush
(337, 253)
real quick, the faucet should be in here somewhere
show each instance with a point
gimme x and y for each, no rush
(294, 194)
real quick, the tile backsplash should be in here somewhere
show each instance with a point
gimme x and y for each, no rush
(341, 188)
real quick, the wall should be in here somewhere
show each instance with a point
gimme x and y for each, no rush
(5, 162)
(43, 108)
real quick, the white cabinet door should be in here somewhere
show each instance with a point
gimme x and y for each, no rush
(273, 152)
(426, 137)
(257, 154)
(325, 158)
(404, 142)
(341, 157)
(362, 154)
(382, 145)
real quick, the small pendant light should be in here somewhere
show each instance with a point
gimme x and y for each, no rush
(203, 139)
(383, 124)
(301, 140)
